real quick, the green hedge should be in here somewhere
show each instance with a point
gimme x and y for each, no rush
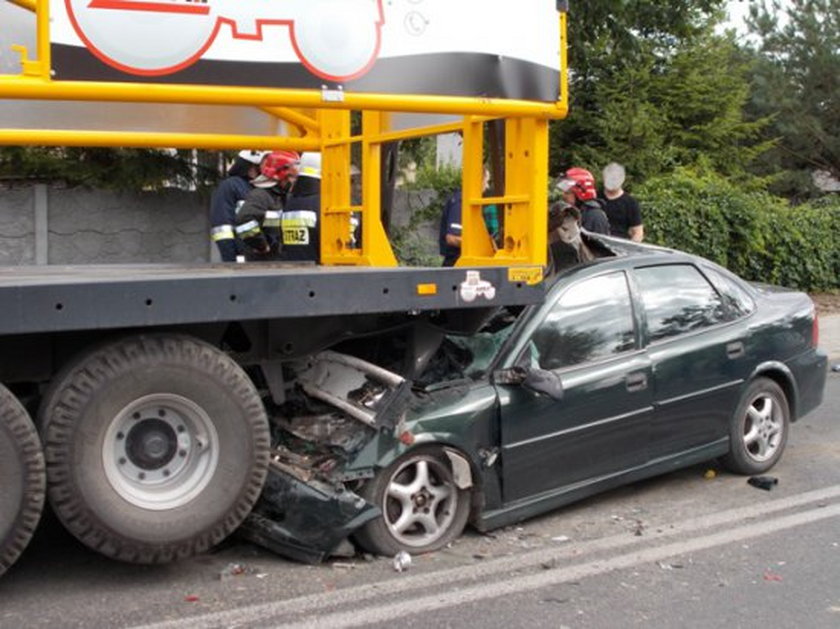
(756, 235)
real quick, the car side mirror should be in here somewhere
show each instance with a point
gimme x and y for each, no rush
(540, 381)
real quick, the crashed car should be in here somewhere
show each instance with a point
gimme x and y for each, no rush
(638, 363)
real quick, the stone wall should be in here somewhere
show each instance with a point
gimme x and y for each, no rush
(49, 225)
(45, 225)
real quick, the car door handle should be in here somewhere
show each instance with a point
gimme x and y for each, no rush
(735, 350)
(636, 382)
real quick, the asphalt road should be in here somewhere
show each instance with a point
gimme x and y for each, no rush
(680, 550)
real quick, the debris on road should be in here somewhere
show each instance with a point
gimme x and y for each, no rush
(772, 576)
(233, 570)
(191, 598)
(343, 565)
(710, 475)
(402, 561)
(670, 566)
(763, 482)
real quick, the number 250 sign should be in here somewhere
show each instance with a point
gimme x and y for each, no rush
(336, 40)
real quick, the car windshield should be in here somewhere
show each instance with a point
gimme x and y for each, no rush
(478, 350)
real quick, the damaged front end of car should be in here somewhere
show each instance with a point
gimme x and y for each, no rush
(337, 405)
(347, 412)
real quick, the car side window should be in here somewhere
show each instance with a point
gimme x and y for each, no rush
(735, 296)
(677, 299)
(592, 320)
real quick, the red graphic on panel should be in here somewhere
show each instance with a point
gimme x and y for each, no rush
(337, 40)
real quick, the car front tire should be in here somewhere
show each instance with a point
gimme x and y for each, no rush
(423, 509)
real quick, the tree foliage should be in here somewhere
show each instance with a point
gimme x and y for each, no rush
(795, 81)
(107, 168)
(753, 233)
(655, 87)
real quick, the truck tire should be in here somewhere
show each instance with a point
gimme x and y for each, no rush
(156, 447)
(22, 479)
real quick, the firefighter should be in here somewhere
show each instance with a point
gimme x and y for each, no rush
(299, 221)
(258, 217)
(578, 188)
(230, 194)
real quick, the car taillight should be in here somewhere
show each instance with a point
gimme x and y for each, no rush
(815, 332)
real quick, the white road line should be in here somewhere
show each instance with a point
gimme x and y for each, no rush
(486, 569)
(389, 612)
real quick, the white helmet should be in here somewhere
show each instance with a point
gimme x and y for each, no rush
(310, 165)
(255, 157)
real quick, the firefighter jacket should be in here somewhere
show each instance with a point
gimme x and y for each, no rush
(223, 204)
(258, 223)
(299, 222)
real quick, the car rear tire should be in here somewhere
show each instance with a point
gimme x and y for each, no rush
(759, 428)
(423, 509)
(22, 479)
(156, 447)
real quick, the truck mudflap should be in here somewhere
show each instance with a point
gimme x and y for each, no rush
(301, 521)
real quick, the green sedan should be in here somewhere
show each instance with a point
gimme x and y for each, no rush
(638, 363)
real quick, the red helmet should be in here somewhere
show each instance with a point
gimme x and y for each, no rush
(581, 182)
(280, 166)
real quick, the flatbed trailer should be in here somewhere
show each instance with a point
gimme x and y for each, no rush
(102, 297)
(141, 398)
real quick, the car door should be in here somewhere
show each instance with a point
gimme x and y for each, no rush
(587, 337)
(698, 356)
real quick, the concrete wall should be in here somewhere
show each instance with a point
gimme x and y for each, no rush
(44, 225)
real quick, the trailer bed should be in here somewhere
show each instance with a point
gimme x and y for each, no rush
(87, 297)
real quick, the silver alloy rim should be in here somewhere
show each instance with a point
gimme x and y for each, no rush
(160, 451)
(420, 504)
(763, 428)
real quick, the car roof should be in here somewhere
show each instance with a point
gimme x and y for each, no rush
(625, 254)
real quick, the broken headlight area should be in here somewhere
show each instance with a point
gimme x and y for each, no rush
(304, 520)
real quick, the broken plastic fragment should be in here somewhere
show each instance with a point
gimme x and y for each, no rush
(764, 482)
(402, 561)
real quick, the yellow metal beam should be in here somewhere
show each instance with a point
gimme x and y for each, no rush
(296, 118)
(17, 87)
(29, 5)
(139, 139)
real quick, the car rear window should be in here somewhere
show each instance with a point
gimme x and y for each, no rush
(678, 299)
(735, 296)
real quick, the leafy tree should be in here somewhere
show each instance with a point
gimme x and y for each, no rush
(796, 81)
(655, 87)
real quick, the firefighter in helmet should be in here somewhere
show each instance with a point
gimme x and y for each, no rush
(578, 188)
(299, 223)
(258, 217)
(227, 197)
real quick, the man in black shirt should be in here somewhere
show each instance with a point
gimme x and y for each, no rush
(622, 210)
